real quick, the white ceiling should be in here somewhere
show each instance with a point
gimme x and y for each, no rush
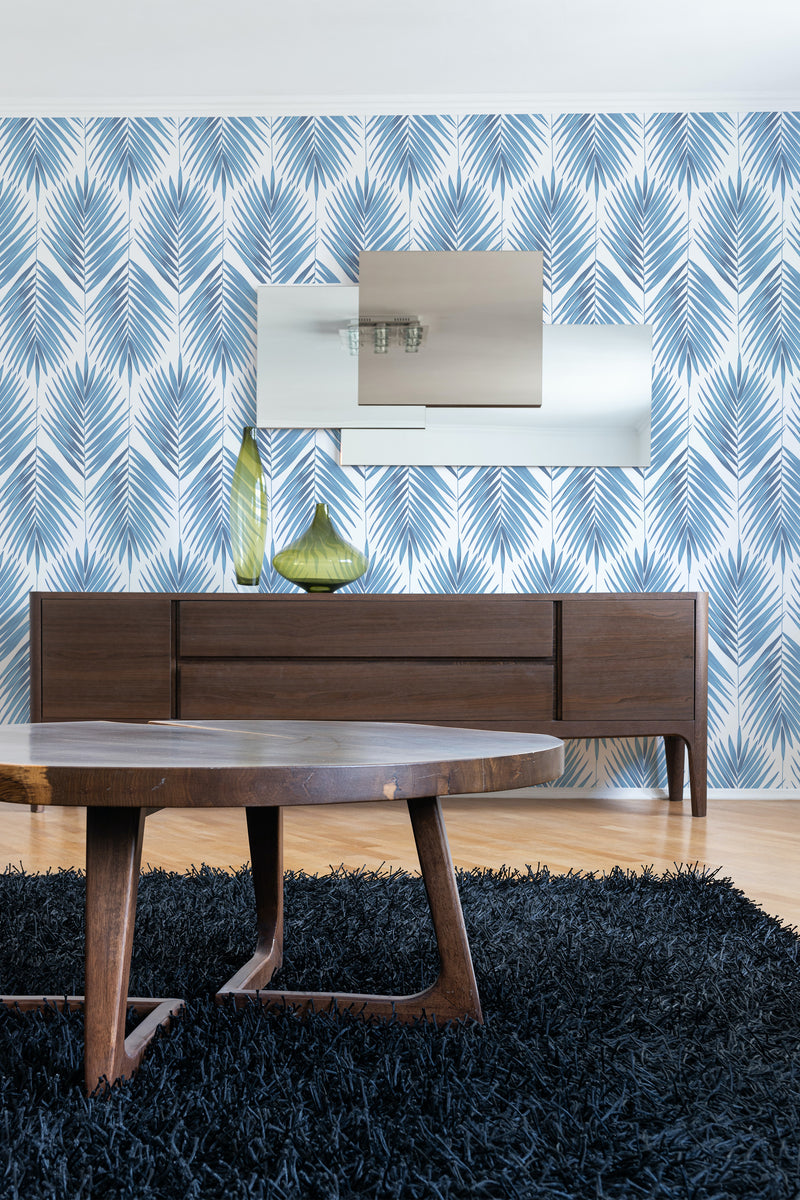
(233, 56)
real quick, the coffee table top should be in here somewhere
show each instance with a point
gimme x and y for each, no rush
(233, 764)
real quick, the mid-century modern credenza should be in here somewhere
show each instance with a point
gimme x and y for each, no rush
(572, 665)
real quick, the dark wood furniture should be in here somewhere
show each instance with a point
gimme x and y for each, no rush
(574, 666)
(119, 772)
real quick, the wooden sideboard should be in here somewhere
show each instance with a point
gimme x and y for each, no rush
(572, 665)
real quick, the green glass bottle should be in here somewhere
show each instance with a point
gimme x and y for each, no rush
(248, 511)
(319, 560)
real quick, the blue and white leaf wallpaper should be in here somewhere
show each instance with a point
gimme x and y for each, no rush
(130, 249)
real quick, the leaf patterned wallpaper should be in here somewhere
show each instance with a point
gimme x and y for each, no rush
(129, 252)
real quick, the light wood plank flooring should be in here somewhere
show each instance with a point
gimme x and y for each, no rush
(754, 842)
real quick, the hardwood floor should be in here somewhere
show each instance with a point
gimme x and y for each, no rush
(754, 842)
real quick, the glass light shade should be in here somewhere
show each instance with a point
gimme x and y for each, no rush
(248, 511)
(319, 560)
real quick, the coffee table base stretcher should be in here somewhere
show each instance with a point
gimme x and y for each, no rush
(113, 858)
(158, 1012)
(453, 996)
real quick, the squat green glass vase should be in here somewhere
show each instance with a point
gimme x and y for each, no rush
(320, 560)
(248, 511)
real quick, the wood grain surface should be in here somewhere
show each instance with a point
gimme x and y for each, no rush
(240, 763)
(575, 666)
(383, 627)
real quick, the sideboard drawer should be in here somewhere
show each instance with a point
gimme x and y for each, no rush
(358, 690)
(367, 627)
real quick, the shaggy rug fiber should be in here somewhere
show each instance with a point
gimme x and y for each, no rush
(640, 1040)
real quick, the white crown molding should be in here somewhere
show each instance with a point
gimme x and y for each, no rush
(376, 105)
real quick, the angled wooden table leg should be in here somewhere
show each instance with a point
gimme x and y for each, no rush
(265, 834)
(453, 996)
(113, 856)
(456, 989)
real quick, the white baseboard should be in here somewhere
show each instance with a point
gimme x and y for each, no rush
(778, 793)
(547, 792)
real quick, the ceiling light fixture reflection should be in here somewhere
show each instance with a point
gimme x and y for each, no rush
(379, 335)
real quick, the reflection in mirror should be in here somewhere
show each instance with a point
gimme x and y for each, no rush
(443, 328)
(306, 377)
(596, 388)
(596, 385)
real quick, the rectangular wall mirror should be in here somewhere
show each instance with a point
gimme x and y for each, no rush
(596, 384)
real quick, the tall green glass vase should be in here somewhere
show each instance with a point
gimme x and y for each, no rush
(248, 511)
(320, 560)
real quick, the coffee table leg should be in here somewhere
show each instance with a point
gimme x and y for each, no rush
(456, 984)
(113, 856)
(265, 834)
(453, 996)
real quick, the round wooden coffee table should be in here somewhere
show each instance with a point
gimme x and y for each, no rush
(121, 773)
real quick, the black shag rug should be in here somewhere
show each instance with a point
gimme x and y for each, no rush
(641, 1040)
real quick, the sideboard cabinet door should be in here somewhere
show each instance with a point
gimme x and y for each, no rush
(101, 657)
(631, 659)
